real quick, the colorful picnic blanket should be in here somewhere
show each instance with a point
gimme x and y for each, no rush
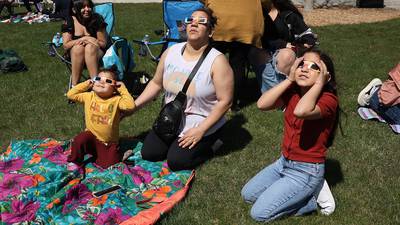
(37, 186)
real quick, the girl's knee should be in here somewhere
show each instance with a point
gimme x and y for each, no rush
(247, 194)
(260, 214)
(285, 59)
(77, 50)
(91, 49)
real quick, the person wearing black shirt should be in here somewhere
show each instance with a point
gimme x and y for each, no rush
(285, 33)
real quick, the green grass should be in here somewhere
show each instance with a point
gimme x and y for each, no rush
(362, 164)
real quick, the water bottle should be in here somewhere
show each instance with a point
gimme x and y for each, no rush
(143, 48)
(57, 39)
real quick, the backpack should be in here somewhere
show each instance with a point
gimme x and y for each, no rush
(11, 62)
(121, 55)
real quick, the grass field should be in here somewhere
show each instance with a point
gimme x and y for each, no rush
(362, 166)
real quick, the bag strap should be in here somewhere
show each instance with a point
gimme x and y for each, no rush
(196, 68)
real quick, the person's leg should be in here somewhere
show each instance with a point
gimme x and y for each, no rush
(27, 6)
(107, 154)
(185, 159)
(390, 113)
(154, 149)
(284, 60)
(293, 191)
(261, 181)
(92, 56)
(83, 143)
(238, 53)
(38, 5)
(77, 62)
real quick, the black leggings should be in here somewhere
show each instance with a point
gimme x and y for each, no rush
(154, 149)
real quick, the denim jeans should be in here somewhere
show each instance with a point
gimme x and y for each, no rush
(285, 187)
(390, 113)
(268, 75)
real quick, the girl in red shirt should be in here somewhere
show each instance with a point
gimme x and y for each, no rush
(295, 182)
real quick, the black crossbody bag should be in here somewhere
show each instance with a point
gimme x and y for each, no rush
(168, 121)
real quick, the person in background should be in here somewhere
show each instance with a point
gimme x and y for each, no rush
(285, 33)
(294, 184)
(240, 27)
(38, 6)
(85, 38)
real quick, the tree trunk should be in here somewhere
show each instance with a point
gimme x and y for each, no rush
(308, 5)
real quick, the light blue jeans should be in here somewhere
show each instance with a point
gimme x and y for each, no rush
(268, 75)
(285, 187)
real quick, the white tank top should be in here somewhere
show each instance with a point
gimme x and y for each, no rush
(201, 96)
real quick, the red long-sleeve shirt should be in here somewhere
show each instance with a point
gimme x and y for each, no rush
(305, 140)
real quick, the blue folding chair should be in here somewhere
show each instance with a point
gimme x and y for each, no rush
(174, 14)
(120, 53)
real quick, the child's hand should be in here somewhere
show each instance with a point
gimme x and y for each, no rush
(118, 84)
(324, 76)
(91, 83)
(293, 69)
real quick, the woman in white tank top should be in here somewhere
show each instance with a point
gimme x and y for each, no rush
(209, 95)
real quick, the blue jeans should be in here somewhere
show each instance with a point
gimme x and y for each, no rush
(391, 113)
(285, 187)
(268, 75)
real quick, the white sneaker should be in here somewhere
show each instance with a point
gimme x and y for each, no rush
(366, 93)
(325, 200)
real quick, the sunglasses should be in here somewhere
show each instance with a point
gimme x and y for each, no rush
(309, 65)
(199, 20)
(107, 80)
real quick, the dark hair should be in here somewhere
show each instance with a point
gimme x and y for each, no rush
(92, 24)
(331, 87)
(113, 70)
(286, 5)
(77, 6)
(212, 20)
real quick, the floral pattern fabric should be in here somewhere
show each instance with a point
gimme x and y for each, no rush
(38, 186)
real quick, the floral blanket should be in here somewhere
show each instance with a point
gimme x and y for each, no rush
(37, 186)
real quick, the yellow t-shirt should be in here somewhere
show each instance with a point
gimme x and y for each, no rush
(102, 115)
(238, 20)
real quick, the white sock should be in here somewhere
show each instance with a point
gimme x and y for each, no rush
(325, 200)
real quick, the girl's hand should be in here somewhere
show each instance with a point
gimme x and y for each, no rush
(293, 69)
(191, 137)
(324, 76)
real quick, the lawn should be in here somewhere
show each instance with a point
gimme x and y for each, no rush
(362, 165)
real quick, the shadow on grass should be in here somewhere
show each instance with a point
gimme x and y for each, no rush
(234, 136)
(333, 172)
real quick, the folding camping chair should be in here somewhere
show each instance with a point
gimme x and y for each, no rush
(174, 13)
(120, 53)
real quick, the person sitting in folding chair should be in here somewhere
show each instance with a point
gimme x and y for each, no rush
(84, 38)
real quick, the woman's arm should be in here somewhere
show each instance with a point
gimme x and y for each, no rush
(271, 99)
(68, 43)
(307, 107)
(222, 76)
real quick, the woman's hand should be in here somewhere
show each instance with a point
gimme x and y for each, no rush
(324, 76)
(293, 69)
(191, 137)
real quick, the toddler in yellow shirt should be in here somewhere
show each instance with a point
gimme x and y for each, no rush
(103, 105)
